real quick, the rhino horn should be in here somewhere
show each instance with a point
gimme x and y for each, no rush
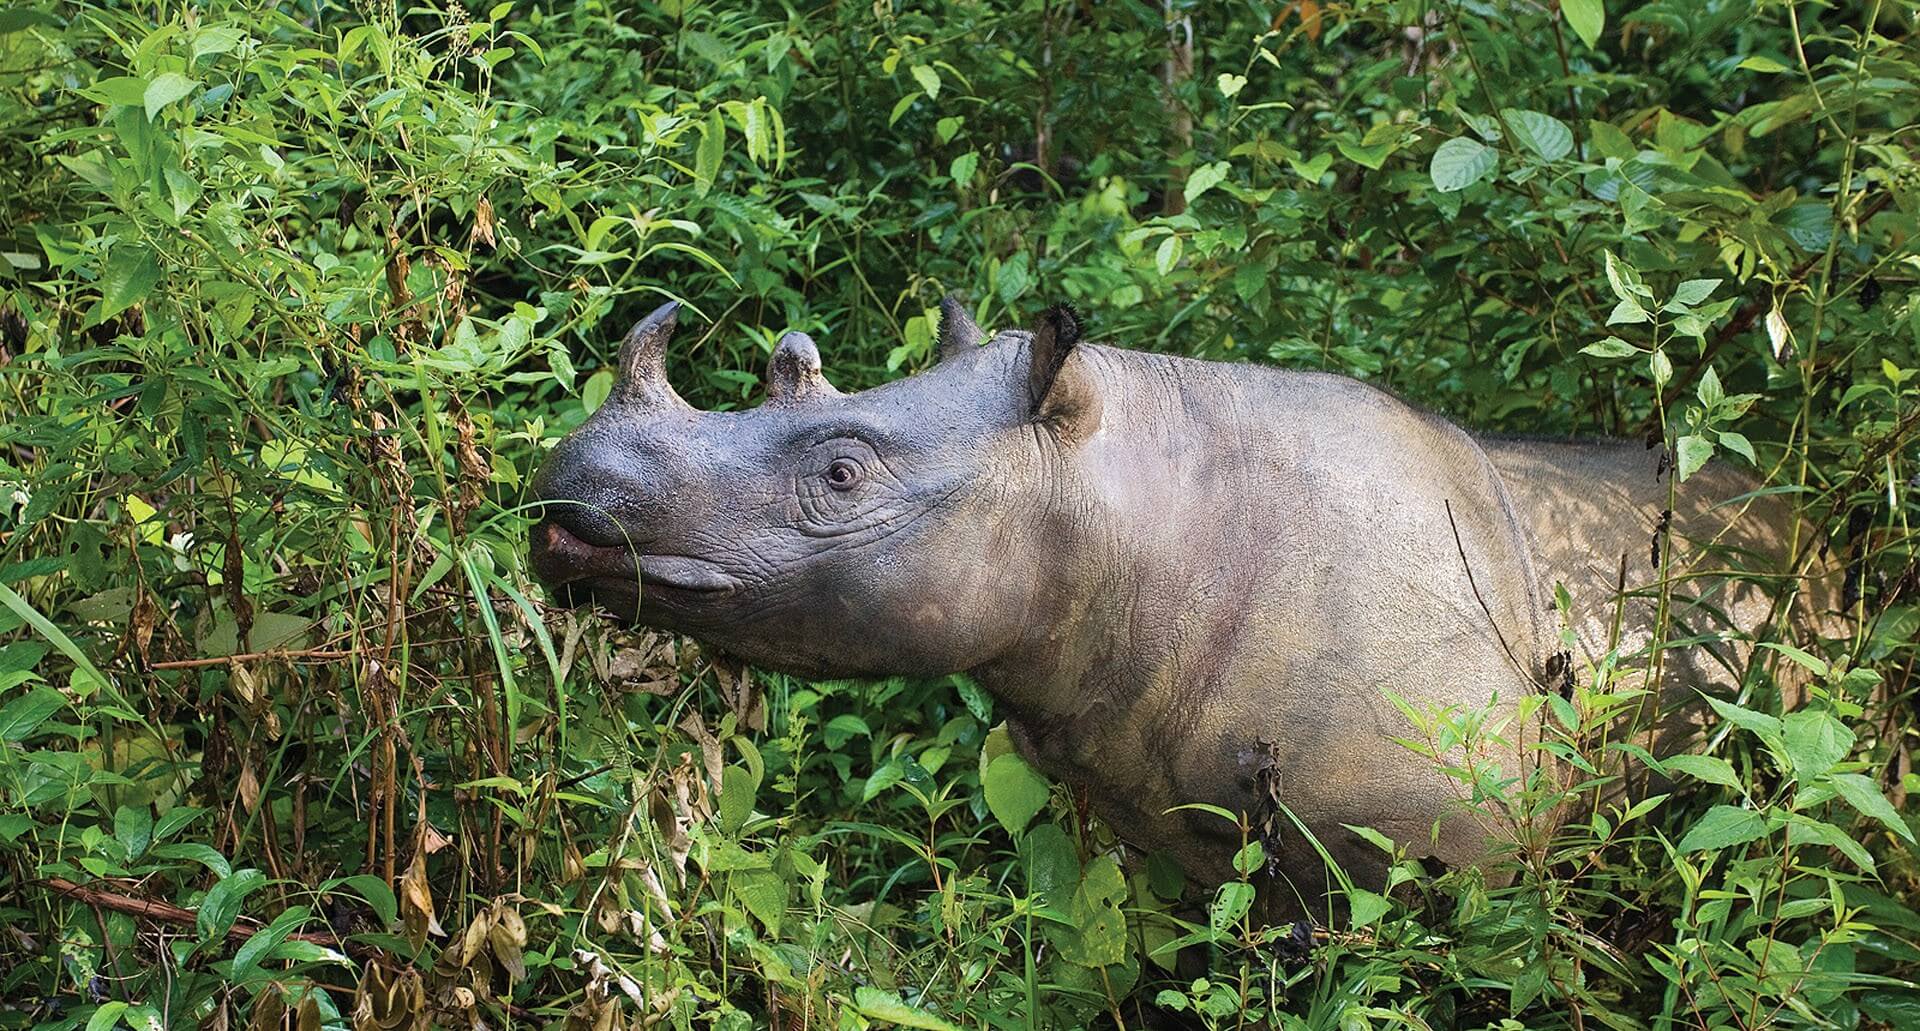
(958, 332)
(643, 360)
(793, 373)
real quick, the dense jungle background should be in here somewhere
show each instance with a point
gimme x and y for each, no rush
(294, 296)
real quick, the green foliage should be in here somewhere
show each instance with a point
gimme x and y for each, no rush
(293, 298)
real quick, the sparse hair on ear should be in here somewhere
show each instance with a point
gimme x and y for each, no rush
(1059, 330)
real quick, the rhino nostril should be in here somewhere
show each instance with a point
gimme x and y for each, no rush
(589, 525)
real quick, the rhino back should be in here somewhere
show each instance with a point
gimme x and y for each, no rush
(1593, 509)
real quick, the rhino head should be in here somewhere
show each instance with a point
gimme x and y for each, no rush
(822, 533)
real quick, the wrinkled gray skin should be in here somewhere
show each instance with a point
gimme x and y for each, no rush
(1185, 581)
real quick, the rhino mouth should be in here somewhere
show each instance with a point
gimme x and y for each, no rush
(580, 572)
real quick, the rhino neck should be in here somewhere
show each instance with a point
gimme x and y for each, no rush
(1144, 590)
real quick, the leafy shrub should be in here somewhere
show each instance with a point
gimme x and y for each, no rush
(293, 297)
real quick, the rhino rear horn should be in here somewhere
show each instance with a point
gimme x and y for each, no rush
(958, 332)
(643, 360)
(793, 373)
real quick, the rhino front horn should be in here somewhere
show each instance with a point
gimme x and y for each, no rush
(643, 360)
(793, 373)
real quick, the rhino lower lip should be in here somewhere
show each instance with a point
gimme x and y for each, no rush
(566, 561)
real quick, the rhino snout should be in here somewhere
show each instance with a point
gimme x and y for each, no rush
(560, 556)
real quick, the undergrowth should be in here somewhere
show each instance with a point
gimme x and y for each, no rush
(293, 298)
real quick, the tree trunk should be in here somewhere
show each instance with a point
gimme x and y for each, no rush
(1174, 71)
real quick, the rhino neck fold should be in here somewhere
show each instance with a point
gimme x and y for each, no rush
(1145, 581)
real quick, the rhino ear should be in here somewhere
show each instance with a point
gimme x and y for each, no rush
(1061, 389)
(958, 332)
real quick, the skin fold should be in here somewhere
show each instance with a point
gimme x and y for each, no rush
(1185, 581)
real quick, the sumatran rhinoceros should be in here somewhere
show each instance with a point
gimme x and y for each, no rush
(1184, 581)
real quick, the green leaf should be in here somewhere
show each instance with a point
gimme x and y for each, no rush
(22, 716)
(978, 702)
(1052, 864)
(1461, 162)
(1722, 827)
(763, 893)
(1693, 291)
(1829, 835)
(738, 786)
(1230, 903)
(1628, 312)
(1816, 741)
(900, 107)
(928, 79)
(1712, 769)
(1586, 18)
(1710, 392)
(1611, 347)
(205, 855)
(54, 635)
(133, 829)
(1366, 906)
(1013, 279)
(1251, 857)
(1863, 794)
(1739, 445)
(963, 167)
(1694, 450)
(713, 147)
(1095, 911)
(1763, 65)
(1543, 134)
(222, 905)
(1167, 255)
(1015, 793)
(165, 89)
(377, 893)
(1625, 280)
(130, 274)
(123, 90)
(595, 391)
(889, 774)
(879, 1005)
(107, 1016)
(259, 947)
(19, 19)
(1313, 169)
(1766, 727)
(1205, 178)
(1801, 657)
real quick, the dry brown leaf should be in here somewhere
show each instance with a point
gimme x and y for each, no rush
(269, 1011)
(308, 1018)
(388, 1000)
(416, 902)
(249, 786)
(710, 749)
(483, 223)
(508, 937)
(743, 697)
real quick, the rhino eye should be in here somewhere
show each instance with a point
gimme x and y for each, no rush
(842, 474)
